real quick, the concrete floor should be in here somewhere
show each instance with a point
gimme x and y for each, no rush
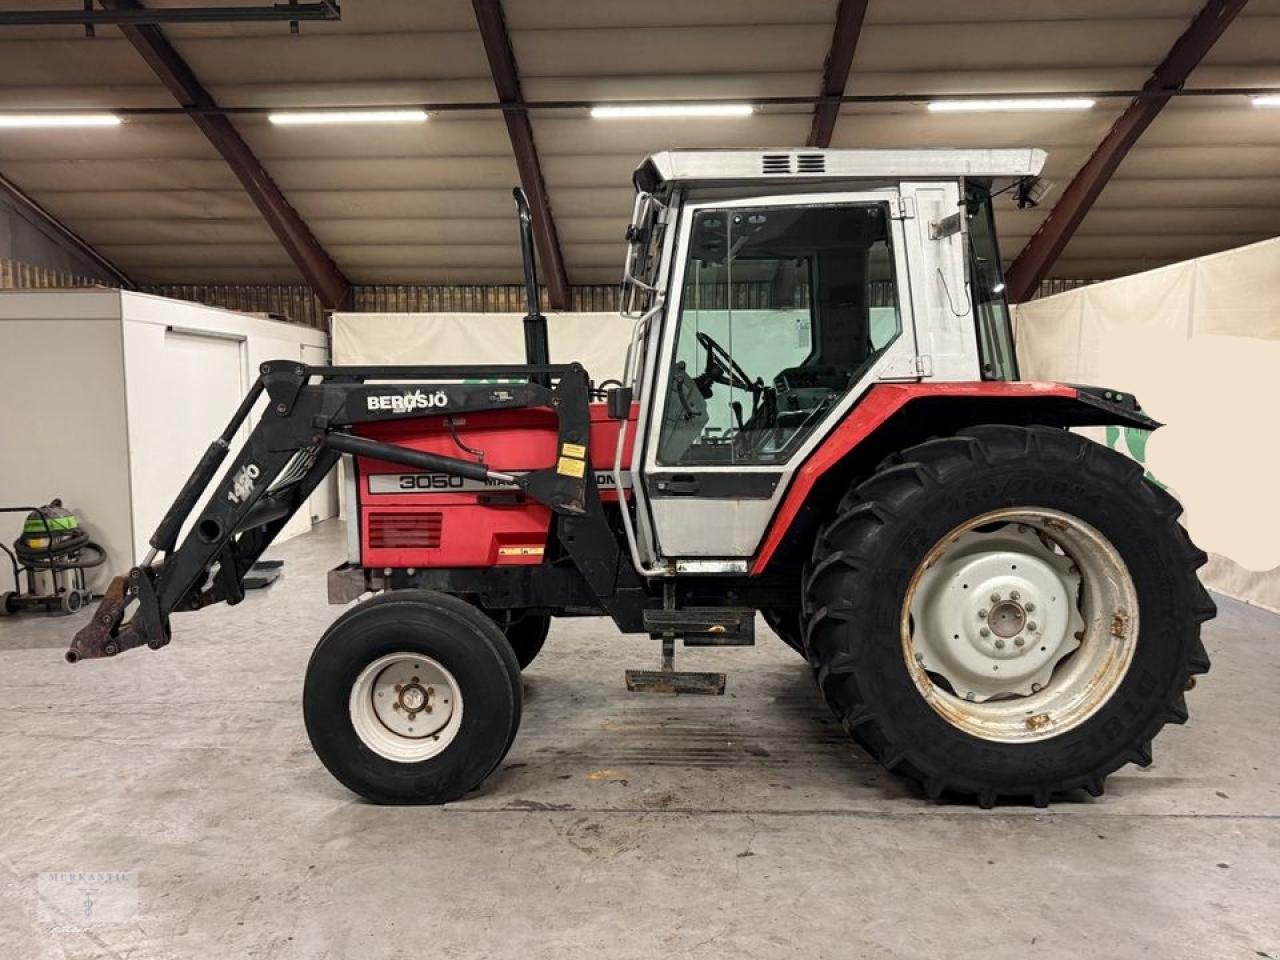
(619, 826)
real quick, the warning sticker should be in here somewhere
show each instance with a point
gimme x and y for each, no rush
(573, 450)
(521, 551)
(571, 468)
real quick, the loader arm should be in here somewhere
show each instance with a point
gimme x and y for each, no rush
(304, 429)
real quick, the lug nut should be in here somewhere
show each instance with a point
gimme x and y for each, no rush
(1031, 625)
(1018, 641)
(1015, 595)
(999, 644)
(982, 614)
(395, 706)
(984, 632)
(995, 598)
(1031, 608)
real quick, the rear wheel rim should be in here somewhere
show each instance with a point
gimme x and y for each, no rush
(406, 707)
(1020, 624)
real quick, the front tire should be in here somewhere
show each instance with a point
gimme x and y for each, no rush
(412, 697)
(910, 668)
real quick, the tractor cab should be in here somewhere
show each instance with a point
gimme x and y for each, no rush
(769, 292)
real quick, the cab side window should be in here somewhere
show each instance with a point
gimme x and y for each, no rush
(783, 310)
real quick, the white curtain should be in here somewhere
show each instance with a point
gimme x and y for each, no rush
(1199, 344)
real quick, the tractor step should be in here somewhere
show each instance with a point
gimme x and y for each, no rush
(669, 680)
(675, 682)
(705, 626)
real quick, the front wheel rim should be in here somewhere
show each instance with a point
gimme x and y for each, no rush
(1020, 624)
(406, 707)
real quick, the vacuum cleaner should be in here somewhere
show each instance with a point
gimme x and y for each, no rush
(51, 555)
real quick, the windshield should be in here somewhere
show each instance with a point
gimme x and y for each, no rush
(986, 285)
(783, 309)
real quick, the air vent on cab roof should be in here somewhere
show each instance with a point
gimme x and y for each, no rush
(811, 163)
(775, 163)
(785, 163)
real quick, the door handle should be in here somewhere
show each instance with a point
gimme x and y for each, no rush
(679, 486)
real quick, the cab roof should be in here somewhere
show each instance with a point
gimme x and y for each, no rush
(727, 167)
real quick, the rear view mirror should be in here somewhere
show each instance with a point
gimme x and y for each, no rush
(1032, 191)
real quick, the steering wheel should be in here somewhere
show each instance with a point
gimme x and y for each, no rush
(721, 367)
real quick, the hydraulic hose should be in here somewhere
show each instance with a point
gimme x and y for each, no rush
(60, 550)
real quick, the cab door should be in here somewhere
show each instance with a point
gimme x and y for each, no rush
(783, 312)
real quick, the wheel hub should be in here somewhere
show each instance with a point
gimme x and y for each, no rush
(413, 698)
(406, 707)
(996, 613)
(1007, 618)
(1019, 624)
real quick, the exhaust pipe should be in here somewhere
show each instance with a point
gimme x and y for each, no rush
(536, 349)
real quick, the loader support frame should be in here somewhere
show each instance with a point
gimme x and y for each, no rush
(300, 436)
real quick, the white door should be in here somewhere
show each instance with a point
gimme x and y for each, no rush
(784, 311)
(182, 387)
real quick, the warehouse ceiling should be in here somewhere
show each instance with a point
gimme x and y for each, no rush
(430, 203)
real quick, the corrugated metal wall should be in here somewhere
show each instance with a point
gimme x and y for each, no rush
(297, 303)
(16, 275)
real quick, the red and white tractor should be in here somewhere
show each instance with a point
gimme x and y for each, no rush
(820, 420)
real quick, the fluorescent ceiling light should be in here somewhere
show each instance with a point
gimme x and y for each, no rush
(305, 117)
(46, 120)
(676, 110)
(1016, 103)
(1270, 100)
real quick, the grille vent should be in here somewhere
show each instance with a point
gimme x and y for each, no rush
(784, 163)
(776, 163)
(405, 531)
(811, 163)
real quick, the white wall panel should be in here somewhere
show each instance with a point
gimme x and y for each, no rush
(62, 433)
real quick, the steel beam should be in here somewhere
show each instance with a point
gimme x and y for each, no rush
(316, 266)
(291, 13)
(835, 72)
(1032, 265)
(809, 100)
(506, 79)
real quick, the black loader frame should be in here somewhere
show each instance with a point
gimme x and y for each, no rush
(303, 431)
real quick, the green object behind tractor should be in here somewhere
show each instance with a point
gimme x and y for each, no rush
(51, 554)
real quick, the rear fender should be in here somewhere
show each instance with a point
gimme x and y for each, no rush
(894, 416)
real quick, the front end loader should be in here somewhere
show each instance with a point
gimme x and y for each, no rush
(820, 421)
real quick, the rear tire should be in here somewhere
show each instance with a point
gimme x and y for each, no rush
(414, 649)
(876, 666)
